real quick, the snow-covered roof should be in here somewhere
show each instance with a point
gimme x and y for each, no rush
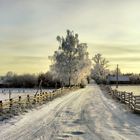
(120, 78)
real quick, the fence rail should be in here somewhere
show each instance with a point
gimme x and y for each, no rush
(133, 101)
(22, 103)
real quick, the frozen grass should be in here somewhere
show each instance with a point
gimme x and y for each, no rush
(15, 92)
(129, 88)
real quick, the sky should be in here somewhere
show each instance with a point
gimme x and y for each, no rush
(28, 30)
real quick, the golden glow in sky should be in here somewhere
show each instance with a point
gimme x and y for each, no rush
(28, 31)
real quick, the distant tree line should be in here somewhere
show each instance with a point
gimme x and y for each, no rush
(13, 80)
(134, 78)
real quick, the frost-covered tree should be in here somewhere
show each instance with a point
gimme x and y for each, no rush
(100, 65)
(71, 63)
(25, 80)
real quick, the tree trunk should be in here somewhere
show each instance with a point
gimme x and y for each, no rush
(70, 81)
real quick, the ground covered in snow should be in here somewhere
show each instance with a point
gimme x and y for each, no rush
(85, 114)
(15, 92)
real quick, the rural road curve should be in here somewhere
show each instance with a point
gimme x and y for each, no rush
(85, 114)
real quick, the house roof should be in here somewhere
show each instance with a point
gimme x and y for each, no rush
(120, 78)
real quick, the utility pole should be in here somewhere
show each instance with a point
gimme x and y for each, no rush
(117, 76)
(39, 87)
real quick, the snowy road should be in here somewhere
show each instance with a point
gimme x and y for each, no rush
(86, 114)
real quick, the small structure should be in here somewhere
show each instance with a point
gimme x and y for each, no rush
(112, 79)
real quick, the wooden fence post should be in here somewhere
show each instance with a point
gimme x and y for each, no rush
(19, 101)
(28, 100)
(1, 107)
(10, 104)
(120, 93)
(124, 97)
(43, 96)
(40, 97)
(50, 96)
(130, 99)
(46, 96)
(134, 99)
(34, 100)
(37, 98)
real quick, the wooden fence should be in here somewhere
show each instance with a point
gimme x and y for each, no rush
(20, 104)
(128, 98)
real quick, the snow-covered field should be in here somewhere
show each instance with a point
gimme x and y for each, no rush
(129, 88)
(86, 114)
(15, 92)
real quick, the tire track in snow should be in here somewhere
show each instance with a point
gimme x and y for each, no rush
(30, 130)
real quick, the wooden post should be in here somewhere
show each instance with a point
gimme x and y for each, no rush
(130, 99)
(117, 76)
(43, 96)
(134, 102)
(19, 100)
(10, 94)
(37, 98)
(46, 96)
(11, 103)
(119, 95)
(124, 96)
(1, 106)
(28, 98)
(50, 95)
(19, 103)
(28, 101)
(40, 95)
(34, 100)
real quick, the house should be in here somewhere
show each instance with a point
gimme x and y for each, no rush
(112, 79)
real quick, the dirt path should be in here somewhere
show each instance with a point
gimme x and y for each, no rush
(85, 114)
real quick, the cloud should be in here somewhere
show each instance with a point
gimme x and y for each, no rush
(28, 59)
(24, 64)
(126, 59)
(29, 28)
(114, 50)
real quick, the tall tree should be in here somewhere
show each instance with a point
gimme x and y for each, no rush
(71, 63)
(100, 66)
